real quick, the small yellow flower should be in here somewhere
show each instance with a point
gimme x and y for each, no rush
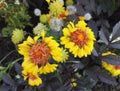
(113, 69)
(64, 55)
(17, 36)
(56, 8)
(73, 82)
(78, 38)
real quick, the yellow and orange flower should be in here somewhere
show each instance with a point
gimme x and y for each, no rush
(33, 78)
(78, 38)
(37, 51)
(113, 69)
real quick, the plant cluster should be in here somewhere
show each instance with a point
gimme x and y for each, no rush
(72, 47)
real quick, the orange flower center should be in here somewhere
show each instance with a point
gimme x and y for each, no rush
(39, 53)
(117, 67)
(79, 37)
(32, 77)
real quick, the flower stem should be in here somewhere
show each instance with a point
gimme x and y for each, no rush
(6, 56)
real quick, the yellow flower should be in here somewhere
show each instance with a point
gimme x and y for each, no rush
(64, 55)
(33, 79)
(30, 72)
(73, 82)
(78, 38)
(37, 52)
(113, 69)
(48, 68)
(17, 36)
(56, 8)
(48, 1)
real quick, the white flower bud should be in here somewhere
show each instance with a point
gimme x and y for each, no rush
(87, 16)
(17, 2)
(71, 9)
(37, 12)
(56, 24)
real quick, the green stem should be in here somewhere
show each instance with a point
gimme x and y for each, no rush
(11, 64)
(6, 56)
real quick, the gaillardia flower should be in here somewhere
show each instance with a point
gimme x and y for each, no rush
(113, 69)
(38, 51)
(32, 75)
(56, 8)
(78, 38)
(17, 36)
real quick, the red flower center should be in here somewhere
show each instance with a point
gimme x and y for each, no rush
(39, 53)
(79, 37)
(117, 67)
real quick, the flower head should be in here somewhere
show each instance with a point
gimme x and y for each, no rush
(37, 12)
(56, 24)
(33, 79)
(64, 55)
(39, 53)
(69, 2)
(78, 38)
(3, 4)
(37, 30)
(73, 82)
(71, 9)
(113, 69)
(17, 36)
(56, 8)
(87, 16)
(44, 18)
(30, 72)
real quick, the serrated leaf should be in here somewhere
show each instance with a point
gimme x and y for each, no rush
(106, 78)
(115, 45)
(78, 66)
(116, 31)
(92, 72)
(104, 35)
(92, 24)
(111, 59)
(4, 88)
(48, 88)
(96, 50)
(96, 73)
(8, 80)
